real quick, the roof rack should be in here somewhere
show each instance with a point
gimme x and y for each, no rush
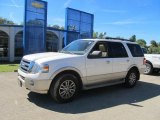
(118, 39)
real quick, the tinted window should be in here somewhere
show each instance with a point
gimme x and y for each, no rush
(117, 50)
(136, 50)
(144, 50)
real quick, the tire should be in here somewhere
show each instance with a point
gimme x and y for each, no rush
(149, 69)
(65, 88)
(131, 78)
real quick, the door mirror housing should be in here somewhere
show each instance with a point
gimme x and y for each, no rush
(95, 54)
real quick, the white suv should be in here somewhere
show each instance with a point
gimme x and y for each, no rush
(83, 64)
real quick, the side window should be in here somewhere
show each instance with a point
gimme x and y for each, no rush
(136, 50)
(102, 47)
(117, 50)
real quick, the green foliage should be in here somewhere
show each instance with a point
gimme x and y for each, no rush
(62, 28)
(8, 67)
(6, 21)
(95, 35)
(133, 38)
(154, 43)
(154, 48)
(56, 27)
(99, 35)
(142, 43)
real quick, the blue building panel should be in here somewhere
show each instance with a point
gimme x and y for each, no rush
(80, 22)
(35, 24)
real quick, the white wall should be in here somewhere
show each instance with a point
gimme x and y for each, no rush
(12, 31)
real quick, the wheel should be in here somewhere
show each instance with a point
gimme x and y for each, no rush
(131, 78)
(149, 69)
(65, 88)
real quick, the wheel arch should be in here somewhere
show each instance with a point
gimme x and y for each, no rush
(147, 61)
(68, 70)
(134, 67)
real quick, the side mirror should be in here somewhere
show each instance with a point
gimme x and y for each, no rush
(95, 54)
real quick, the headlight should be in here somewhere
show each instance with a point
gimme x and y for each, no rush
(31, 66)
(35, 68)
(45, 68)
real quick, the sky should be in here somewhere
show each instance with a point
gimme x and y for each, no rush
(122, 18)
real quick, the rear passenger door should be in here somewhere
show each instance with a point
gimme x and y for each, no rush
(120, 59)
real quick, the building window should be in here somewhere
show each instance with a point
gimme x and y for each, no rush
(51, 42)
(19, 44)
(4, 38)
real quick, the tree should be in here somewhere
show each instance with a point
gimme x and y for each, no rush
(133, 38)
(56, 26)
(95, 34)
(102, 35)
(154, 48)
(62, 28)
(142, 43)
(6, 21)
(154, 43)
(99, 35)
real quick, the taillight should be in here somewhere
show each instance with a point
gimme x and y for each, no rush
(144, 61)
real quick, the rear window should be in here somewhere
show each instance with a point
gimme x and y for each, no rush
(136, 50)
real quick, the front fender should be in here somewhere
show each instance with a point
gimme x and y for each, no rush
(65, 69)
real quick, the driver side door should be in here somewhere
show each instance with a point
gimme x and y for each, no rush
(99, 68)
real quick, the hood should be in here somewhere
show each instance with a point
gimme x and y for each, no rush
(46, 55)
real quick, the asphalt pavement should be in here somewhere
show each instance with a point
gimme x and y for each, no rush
(109, 103)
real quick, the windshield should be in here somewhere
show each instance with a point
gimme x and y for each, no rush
(78, 47)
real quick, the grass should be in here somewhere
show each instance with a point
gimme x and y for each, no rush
(8, 67)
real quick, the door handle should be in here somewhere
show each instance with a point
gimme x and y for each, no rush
(127, 60)
(107, 61)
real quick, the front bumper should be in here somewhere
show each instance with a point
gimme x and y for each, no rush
(156, 65)
(33, 84)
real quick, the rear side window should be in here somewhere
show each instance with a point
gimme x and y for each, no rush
(117, 50)
(136, 50)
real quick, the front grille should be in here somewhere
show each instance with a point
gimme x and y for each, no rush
(25, 65)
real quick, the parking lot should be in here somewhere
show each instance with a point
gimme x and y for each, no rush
(108, 103)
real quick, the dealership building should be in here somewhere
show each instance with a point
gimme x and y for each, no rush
(35, 37)
(11, 41)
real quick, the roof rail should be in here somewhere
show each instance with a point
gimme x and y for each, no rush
(118, 39)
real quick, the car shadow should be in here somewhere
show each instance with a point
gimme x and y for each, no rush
(155, 74)
(98, 99)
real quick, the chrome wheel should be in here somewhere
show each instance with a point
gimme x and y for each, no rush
(147, 69)
(67, 89)
(132, 78)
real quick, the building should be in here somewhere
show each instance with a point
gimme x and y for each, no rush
(11, 41)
